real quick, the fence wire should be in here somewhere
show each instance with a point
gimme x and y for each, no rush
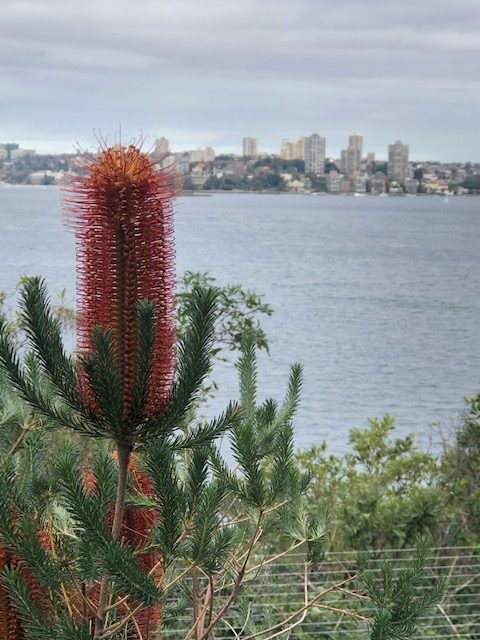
(279, 589)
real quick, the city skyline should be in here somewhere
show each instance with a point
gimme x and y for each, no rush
(211, 73)
(381, 153)
(300, 167)
(286, 149)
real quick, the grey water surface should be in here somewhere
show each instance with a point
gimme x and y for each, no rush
(379, 298)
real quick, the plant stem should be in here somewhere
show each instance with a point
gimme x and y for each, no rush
(123, 452)
(26, 428)
(237, 582)
(196, 602)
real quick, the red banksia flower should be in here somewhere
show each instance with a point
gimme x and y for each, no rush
(11, 627)
(121, 212)
(137, 525)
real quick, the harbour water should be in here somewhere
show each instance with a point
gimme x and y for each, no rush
(377, 297)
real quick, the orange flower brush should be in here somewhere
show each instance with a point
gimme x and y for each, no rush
(121, 213)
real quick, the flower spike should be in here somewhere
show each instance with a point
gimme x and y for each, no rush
(121, 212)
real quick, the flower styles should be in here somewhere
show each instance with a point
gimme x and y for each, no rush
(121, 212)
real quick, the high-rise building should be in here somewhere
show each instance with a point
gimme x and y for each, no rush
(299, 149)
(286, 150)
(196, 155)
(250, 147)
(202, 155)
(398, 167)
(315, 154)
(162, 147)
(208, 154)
(351, 158)
(293, 150)
(356, 141)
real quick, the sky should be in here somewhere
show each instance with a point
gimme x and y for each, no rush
(209, 72)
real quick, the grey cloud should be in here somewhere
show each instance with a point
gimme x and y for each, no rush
(226, 69)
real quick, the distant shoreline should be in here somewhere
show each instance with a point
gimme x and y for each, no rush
(211, 192)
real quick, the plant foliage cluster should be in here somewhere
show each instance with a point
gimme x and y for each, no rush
(386, 492)
(193, 534)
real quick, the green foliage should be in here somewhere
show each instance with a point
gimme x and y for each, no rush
(119, 563)
(383, 494)
(262, 442)
(106, 477)
(459, 480)
(146, 317)
(105, 379)
(279, 164)
(266, 180)
(386, 492)
(379, 166)
(210, 527)
(160, 464)
(472, 183)
(402, 597)
(35, 620)
(44, 332)
(238, 310)
(317, 182)
(193, 364)
(15, 418)
(54, 393)
(86, 510)
(47, 382)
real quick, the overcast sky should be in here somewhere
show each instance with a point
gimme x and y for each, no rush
(208, 72)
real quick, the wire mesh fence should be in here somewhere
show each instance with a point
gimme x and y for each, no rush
(278, 592)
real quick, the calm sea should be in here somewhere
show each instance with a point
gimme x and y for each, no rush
(379, 298)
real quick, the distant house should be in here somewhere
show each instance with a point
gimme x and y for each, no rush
(334, 180)
(199, 175)
(378, 183)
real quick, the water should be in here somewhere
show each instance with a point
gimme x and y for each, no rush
(377, 297)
